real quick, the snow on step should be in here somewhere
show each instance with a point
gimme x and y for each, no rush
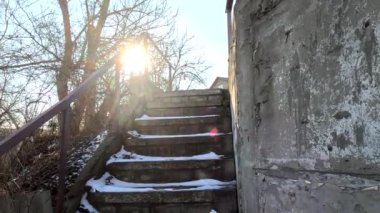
(124, 156)
(108, 183)
(135, 134)
(147, 117)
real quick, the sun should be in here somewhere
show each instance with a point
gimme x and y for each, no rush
(134, 59)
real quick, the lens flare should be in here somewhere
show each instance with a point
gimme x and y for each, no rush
(214, 132)
(134, 59)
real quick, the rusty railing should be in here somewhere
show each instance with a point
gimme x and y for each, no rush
(62, 107)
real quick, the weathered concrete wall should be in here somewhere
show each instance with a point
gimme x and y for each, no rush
(305, 92)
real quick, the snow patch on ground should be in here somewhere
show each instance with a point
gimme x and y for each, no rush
(77, 159)
(147, 117)
(125, 156)
(85, 205)
(134, 133)
(87, 151)
(108, 183)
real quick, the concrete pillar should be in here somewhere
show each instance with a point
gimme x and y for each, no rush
(304, 79)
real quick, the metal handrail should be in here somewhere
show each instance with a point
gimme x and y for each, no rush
(63, 107)
(229, 5)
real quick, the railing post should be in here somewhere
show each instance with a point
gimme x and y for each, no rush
(116, 109)
(65, 134)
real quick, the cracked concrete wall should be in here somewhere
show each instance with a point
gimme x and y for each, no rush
(304, 79)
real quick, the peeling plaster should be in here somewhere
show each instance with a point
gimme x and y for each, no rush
(305, 91)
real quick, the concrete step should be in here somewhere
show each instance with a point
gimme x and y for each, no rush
(222, 200)
(181, 146)
(188, 111)
(195, 92)
(173, 171)
(188, 101)
(190, 125)
(179, 159)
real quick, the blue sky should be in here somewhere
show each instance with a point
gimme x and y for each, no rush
(206, 21)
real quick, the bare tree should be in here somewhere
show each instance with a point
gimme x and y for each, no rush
(57, 45)
(70, 50)
(178, 66)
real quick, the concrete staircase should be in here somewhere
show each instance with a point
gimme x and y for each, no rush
(178, 159)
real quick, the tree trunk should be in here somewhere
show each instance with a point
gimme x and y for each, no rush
(91, 122)
(90, 97)
(62, 76)
(64, 72)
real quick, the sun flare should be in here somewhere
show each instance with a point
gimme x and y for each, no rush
(134, 59)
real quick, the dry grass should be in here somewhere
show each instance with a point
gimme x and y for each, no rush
(34, 165)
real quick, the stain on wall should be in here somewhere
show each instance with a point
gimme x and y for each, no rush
(304, 78)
